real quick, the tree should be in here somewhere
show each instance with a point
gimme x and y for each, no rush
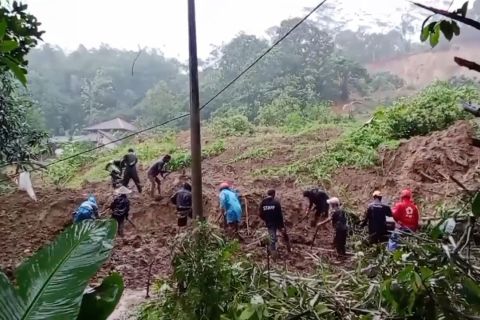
(97, 96)
(348, 73)
(18, 35)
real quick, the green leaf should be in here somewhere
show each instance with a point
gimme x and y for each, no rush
(447, 29)
(476, 205)
(3, 28)
(456, 28)
(8, 45)
(18, 71)
(471, 291)
(52, 281)
(463, 10)
(247, 313)
(100, 303)
(435, 36)
(425, 30)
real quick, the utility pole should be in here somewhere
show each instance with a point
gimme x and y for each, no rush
(195, 137)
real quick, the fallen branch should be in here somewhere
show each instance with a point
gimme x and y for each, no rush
(460, 184)
(467, 64)
(451, 15)
(423, 174)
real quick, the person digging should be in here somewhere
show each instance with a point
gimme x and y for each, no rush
(158, 168)
(318, 201)
(376, 218)
(182, 199)
(271, 213)
(339, 222)
(88, 210)
(231, 209)
(121, 207)
(129, 162)
(114, 167)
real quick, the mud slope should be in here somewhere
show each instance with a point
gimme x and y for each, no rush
(423, 164)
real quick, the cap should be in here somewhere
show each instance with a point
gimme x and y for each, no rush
(223, 185)
(377, 193)
(406, 193)
(333, 200)
(122, 190)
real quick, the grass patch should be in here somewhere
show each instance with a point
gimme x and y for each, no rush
(260, 153)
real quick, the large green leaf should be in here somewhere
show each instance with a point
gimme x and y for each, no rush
(476, 205)
(100, 303)
(8, 45)
(52, 281)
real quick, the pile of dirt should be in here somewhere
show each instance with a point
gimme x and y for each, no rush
(424, 164)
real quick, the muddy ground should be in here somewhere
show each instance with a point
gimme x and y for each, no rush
(424, 164)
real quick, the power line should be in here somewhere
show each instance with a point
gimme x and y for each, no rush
(228, 85)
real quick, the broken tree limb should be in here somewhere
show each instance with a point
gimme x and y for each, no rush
(467, 64)
(460, 184)
(451, 15)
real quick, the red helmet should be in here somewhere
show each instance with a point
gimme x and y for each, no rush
(406, 193)
(224, 185)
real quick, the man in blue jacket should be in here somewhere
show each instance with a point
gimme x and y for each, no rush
(88, 210)
(231, 208)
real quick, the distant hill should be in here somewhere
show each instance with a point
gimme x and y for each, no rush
(420, 69)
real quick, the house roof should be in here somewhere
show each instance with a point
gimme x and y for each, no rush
(114, 124)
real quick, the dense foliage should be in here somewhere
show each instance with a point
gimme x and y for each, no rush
(428, 277)
(51, 283)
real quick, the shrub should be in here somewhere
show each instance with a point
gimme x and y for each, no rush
(235, 125)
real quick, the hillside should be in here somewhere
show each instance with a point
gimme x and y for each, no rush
(421, 69)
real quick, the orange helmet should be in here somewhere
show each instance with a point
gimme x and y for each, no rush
(224, 185)
(406, 193)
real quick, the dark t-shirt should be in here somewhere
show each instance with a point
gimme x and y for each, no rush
(319, 199)
(157, 168)
(339, 220)
(271, 212)
(376, 217)
(182, 199)
(129, 161)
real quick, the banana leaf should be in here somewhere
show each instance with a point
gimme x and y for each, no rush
(102, 300)
(50, 284)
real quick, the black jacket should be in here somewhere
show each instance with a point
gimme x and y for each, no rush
(376, 217)
(120, 206)
(339, 220)
(182, 199)
(271, 212)
(130, 162)
(318, 198)
(117, 164)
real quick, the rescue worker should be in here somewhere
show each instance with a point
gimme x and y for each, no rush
(405, 212)
(114, 167)
(120, 208)
(88, 210)
(271, 212)
(318, 199)
(182, 199)
(158, 168)
(376, 218)
(339, 222)
(231, 209)
(129, 162)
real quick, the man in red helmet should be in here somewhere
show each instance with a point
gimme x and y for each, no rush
(405, 212)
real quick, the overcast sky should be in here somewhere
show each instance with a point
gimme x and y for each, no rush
(163, 23)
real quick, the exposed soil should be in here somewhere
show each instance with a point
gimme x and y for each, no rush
(423, 164)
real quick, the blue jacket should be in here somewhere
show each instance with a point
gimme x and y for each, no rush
(87, 210)
(230, 203)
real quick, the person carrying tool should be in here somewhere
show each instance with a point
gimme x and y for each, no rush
(231, 209)
(405, 212)
(120, 208)
(88, 210)
(114, 167)
(317, 198)
(182, 199)
(129, 162)
(376, 218)
(339, 222)
(158, 168)
(271, 212)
